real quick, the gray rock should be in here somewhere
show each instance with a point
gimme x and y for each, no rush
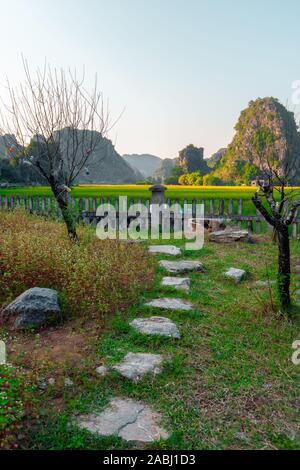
(242, 436)
(178, 267)
(68, 382)
(126, 418)
(177, 282)
(42, 385)
(156, 326)
(165, 250)
(101, 370)
(236, 274)
(229, 236)
(135, 365)
(34, 308)
(168, 303)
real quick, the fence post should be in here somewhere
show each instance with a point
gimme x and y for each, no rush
(240, 211)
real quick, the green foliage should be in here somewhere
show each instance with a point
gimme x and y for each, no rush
(176, 172)
(11, 406)
(262, 140)
(191, 179)
(212, 180)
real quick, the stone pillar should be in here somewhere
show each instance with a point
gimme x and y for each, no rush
(158, 194)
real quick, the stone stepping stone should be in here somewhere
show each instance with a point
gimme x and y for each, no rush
(169, 303)
(179, 267)
(165, 250)
(156, 326)
(131, 420)
(135, 365)
(229, 236)
(236, 274)
(177, 282)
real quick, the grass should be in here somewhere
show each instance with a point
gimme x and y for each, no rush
(228, 383)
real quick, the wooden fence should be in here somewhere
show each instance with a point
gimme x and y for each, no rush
(234, 210)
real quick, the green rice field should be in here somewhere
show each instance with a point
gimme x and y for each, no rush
(140, 191)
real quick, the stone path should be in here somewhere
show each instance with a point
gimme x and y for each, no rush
(135, 365)
(168, 303)
(179, 283)
(179, 267)
(131, 420)
(165, 250)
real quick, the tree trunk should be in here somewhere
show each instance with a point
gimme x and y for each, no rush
(61, 197)
(284, 267)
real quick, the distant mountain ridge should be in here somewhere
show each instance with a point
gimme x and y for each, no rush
(104, 165)
(146, 164)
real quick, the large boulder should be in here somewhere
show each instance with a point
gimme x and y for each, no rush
(34, 308)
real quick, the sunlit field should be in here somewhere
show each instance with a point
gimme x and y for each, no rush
(141, 191)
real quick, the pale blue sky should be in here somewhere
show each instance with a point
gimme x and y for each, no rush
(183, 69)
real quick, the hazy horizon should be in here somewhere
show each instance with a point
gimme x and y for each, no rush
(182, 70)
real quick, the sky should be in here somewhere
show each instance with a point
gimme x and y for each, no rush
(179, 71)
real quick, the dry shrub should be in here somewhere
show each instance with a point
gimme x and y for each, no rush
(95, 278)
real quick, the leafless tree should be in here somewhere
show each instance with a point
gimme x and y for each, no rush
(278, 205)
(63, 122)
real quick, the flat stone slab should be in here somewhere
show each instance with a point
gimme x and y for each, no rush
(135, 365)
(131, 420)
(177, 282)
(165, 250)
(236, 274)
(156, 326)
(178, 267)
(169, 303)
(229, 236)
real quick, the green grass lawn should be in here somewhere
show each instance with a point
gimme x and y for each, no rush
(228, 383)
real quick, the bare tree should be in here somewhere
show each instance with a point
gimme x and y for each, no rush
(276, 201)
(64, 122)
(280, 214)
